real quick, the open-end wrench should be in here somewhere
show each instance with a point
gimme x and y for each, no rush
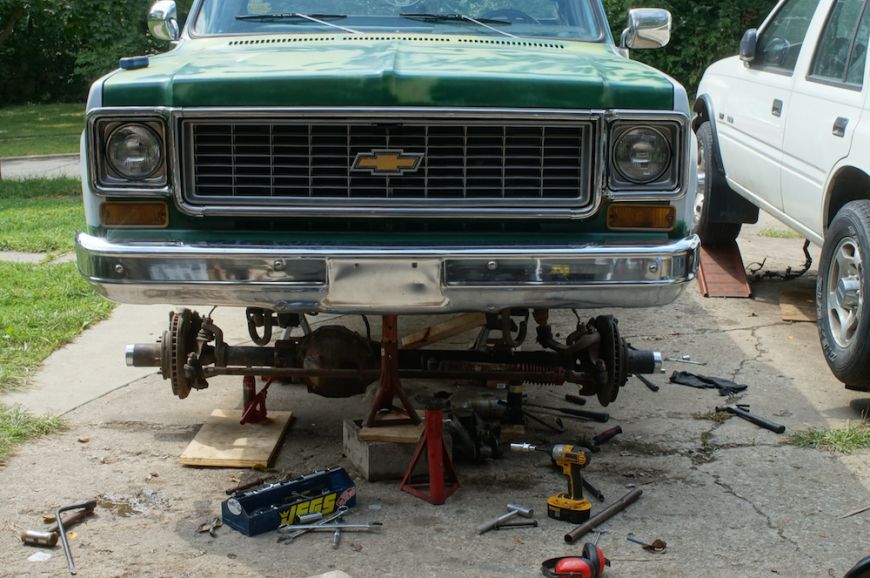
(296, 533)
(332, 527)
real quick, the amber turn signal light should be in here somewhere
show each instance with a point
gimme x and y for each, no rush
(632, 216)
(146, 214)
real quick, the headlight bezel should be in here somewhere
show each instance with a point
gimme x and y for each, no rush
(114, 171)
(671, 181)
(106, 181)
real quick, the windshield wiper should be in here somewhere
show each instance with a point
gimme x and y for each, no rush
(484, 22)
(318, 18)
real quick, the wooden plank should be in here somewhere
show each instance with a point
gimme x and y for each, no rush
(223, 442)
(797, 305)
(443, 330)
(721, 272)
(397, 434)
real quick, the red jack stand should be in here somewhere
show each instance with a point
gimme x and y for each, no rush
(390, 385)
(441, 470)
(254, 401)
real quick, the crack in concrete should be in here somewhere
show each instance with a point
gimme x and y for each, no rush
(779, 531)
(717, 330)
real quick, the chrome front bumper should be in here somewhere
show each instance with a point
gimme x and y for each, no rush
(388, 279)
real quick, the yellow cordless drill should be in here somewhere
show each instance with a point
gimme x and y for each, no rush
(571, 506)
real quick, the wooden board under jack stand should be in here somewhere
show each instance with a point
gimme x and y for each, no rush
(223, 442)
(407, 433)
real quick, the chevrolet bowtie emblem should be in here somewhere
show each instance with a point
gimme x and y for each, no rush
(387, 162)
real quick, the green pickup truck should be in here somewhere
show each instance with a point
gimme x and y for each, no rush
(387, 157)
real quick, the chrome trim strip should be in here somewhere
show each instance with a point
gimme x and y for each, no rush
(339, 279)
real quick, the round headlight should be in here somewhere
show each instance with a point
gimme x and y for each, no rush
(134, 152)
(642, 155)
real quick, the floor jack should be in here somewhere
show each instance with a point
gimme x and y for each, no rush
(571, 506)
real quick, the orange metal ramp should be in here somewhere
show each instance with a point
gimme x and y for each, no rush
(721, 272)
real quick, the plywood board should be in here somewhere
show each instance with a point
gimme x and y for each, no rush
(443, 330)
(223, 442)
(797, 305)
(397, 434)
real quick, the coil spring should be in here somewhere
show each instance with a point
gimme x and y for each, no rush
(538, 374)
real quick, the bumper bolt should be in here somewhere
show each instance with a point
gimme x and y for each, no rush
(119, 269)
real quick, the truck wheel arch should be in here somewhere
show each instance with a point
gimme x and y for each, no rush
(703, 110)
(848, 184)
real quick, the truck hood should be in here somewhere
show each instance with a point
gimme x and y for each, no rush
(396, 70)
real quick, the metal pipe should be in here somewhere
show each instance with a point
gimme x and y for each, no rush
(604, 515)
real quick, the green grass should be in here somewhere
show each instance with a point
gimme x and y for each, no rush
(843, 440)
(714, 416)
(40, 215)
(40, 129)
(17, 426)
(774, 233)
(42, 307)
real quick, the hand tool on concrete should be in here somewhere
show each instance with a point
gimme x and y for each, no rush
(606, 435)
(309, 518)
(328, 527)
(742, 410)
(568, 506)
(593, 415)
(654, 546)
(532, 524)
(549, 426)
(89, 505)
(48, 537)
(40, 538)
(596, 493)
(604, 515)
(650, 385)
(336, 538)
(513, 511)
(684, 359)
(342, 511)
(575, 399)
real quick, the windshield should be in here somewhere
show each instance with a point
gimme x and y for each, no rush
(567, 19)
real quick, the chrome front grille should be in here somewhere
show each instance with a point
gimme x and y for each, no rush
(310, 162)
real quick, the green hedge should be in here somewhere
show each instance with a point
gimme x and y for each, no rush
(51, 50)
(703, 32)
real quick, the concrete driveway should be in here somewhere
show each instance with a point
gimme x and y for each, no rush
(730, 499)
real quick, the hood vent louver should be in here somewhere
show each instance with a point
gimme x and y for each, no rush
(380, 38)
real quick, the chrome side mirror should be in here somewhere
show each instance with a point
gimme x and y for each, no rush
(748, 44)
(163, 21)
(647, 28)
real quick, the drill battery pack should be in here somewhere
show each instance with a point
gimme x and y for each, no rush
(264, 509)
(561, 507)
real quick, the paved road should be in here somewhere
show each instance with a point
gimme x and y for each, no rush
(729, 499)
(40, 167)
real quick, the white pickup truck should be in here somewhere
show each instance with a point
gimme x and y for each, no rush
(782, 127)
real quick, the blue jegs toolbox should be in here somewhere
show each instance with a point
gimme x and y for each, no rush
(262, 510)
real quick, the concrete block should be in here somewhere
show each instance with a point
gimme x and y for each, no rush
(381, 460)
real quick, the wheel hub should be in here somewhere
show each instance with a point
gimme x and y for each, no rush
(845, 299)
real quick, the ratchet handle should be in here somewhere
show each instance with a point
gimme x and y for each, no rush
(757, 420)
